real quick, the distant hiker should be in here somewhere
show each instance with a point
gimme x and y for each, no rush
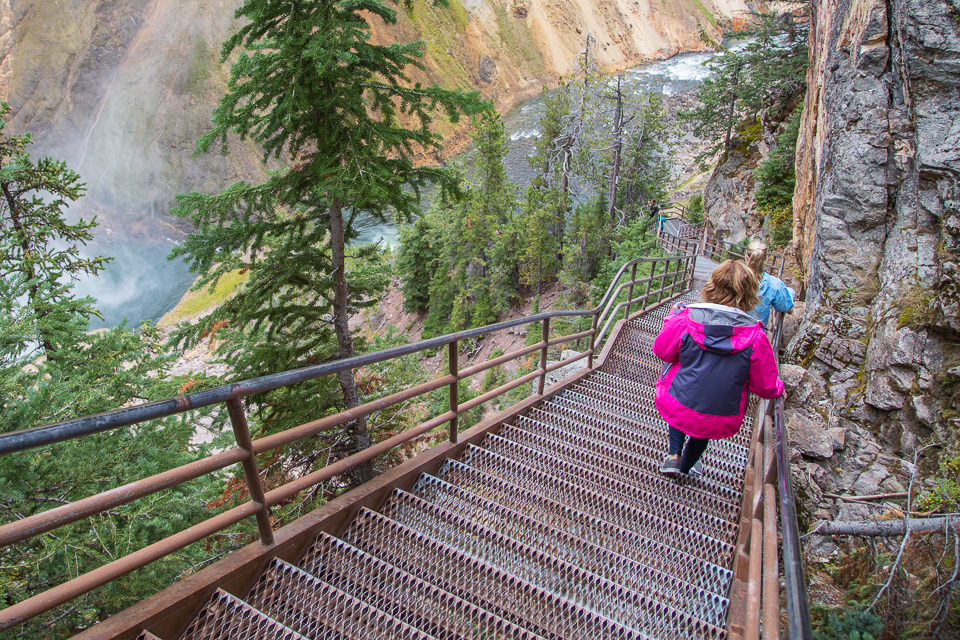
(715, 353)
(773, 292)
(655, 213)
(654, 209)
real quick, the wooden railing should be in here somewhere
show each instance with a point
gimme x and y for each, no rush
(660, 279)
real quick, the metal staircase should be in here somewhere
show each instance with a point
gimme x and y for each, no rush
(549, 520)
(558, 525)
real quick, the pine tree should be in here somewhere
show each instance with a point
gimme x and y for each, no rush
(51, 370)
(36, 241)
(769, 71)
(308, 84)
(541, 252)
(416, 261)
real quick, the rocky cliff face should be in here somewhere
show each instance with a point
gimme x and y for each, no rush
(122, 88)
(878, 224)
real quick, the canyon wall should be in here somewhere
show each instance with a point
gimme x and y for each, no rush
(877, 223)
(121, 89)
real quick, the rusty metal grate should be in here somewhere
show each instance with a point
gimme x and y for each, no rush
(318, 610)
(558, 526)
(508, 596)
(227, 617)
(613, 532)
(602, 505)
(549, 468)
(404, 595)
(643, 450)
(587, 554)
(645, 414)
(613, 600)
(600, 458)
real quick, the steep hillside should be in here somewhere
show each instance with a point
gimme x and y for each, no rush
(122, 88)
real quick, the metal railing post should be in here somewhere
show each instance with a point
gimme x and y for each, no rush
(646, 294)
(633, 279)
(454, 391)
(593, 338)
(702, 245)
(543, 357)
(771, 564)
(241, 432)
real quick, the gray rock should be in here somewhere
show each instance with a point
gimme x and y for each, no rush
(876, 219)
(792, 375)
(809, 436)
(868, 483)
(927, 410)
(487, 69)
(821, 549)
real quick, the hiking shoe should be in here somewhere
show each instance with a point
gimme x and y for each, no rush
(696, 470)
(670, 466)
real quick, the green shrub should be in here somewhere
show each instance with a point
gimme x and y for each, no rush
(780, 225)
(856, 624)
(695, 209)
(494, 377)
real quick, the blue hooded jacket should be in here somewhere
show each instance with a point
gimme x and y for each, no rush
(773, 293)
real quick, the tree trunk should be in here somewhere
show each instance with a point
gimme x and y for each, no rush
(357, 430)
(884, 527)
(731, 110)
(617, 149)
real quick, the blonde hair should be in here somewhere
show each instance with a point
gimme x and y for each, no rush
(756, 256)
(732, 284)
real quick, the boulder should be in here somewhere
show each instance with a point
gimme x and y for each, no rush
(810, 437)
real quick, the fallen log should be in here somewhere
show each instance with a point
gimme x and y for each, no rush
(883, 527)
(879, 496)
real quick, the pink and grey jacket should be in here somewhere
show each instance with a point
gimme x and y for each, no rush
(715, 354)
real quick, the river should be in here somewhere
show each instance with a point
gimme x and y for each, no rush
(141, 283)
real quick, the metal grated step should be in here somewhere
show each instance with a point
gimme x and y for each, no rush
(585, 554)
(403, 595)
(641, 391)
(643, 452)
(608, 461)
(227, 617)
(588, 422)
(610, 485)
(612, 533)
(604, 506)
(478, 582)
(629, 366)
(648, 417)
(646, 406)
(318, 610)
(614, 600)
(653, 430)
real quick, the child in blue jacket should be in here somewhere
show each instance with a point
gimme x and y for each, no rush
(773, 292)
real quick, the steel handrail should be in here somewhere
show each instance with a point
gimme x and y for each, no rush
(798, 603)
(260, 501)
(69, 429)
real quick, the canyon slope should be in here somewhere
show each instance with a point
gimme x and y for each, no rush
(121, 89)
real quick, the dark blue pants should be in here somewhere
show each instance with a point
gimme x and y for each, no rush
(691, 453)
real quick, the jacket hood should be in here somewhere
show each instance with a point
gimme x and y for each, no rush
(719, 323)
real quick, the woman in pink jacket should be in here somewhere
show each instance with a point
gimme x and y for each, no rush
(716, 353)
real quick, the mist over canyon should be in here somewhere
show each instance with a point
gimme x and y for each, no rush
(121, 90)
